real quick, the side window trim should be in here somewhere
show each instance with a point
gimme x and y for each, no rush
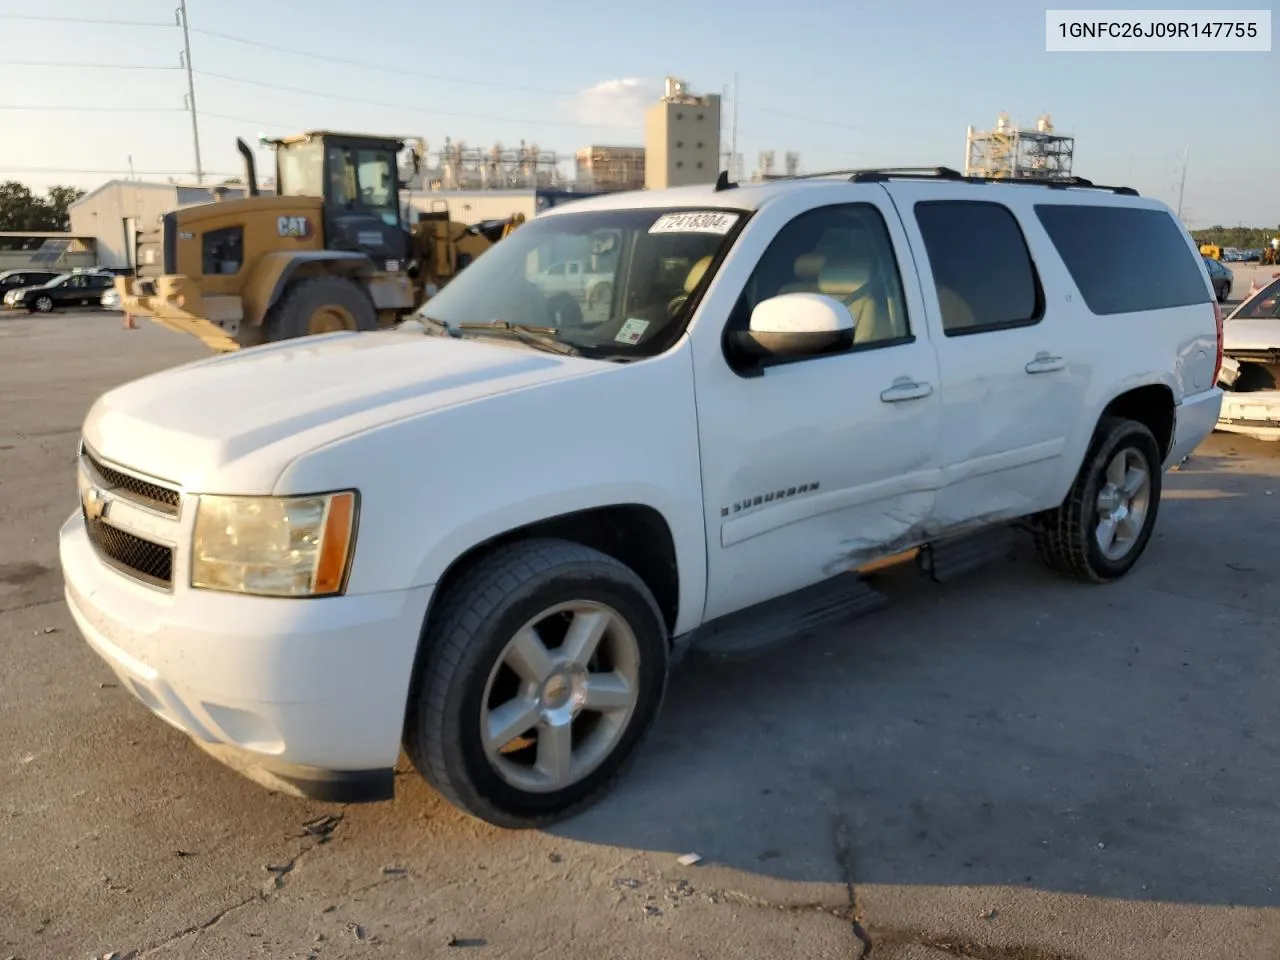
(1040, 304)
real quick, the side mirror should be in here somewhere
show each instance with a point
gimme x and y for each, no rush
(796, 325)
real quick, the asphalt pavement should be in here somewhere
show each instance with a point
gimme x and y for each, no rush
(1006, 767)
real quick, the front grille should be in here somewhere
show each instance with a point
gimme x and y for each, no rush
(147, 561)
(161, 499)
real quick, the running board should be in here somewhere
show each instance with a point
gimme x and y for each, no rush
(947, 559)
(762, 627)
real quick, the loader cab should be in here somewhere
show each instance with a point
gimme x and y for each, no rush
(358, 179)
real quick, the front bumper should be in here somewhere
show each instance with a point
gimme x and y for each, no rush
(304, 696)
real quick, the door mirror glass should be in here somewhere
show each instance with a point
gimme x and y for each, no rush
(797, 325)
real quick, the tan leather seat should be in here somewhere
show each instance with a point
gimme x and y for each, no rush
(852, 281)
(807, 268)
(956, 314)
(695, 274)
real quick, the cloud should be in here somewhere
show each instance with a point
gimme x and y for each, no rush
(615, 103)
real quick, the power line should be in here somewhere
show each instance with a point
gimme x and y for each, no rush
(80, 109)
(401, 106)
(399, 71)
(84, 66)
(96, 21)
(85, 170)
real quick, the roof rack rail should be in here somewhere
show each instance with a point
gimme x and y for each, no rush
(878, 173)
(947, 173)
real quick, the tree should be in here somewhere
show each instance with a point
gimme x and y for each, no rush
(60, 200)
(21, 210)
(1247, 238)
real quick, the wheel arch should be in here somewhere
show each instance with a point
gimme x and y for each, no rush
(634, 534)
(274, 272)
(1149, 401)
(1151, 405)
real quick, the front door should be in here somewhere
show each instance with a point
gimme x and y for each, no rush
(814, 467)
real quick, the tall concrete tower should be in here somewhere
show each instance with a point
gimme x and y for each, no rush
(682, 138)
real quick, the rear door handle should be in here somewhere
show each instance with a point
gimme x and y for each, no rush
(905, 389)
(1044, 363)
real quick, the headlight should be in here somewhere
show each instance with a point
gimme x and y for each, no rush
(274, 546)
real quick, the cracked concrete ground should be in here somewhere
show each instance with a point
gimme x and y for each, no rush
(1008, 767)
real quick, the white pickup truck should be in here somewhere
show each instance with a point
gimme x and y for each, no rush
(487, 535)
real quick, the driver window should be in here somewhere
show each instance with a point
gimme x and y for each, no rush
(843, 252)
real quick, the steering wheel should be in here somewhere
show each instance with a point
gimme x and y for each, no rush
(676, 303)
(563, 310)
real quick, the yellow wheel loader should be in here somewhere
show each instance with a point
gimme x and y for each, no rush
(329, 251)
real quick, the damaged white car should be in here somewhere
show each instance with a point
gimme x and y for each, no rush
(1251, 366)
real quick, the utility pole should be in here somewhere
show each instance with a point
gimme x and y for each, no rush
(1182, 181)
(733, 135)
(191, 86)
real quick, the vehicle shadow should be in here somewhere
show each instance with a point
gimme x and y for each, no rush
(1008, 728)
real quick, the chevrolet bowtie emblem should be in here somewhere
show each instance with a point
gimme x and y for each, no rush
(95, 504)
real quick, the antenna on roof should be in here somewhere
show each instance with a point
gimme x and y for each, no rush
(722, 181)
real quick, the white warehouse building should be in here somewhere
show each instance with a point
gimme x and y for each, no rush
(114, 212)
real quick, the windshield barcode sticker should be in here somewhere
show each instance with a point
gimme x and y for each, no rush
(698, 222)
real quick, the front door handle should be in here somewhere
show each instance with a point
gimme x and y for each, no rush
(1045, 363)
(904, 388)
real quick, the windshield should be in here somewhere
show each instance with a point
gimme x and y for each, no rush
(611, 283)
(1264, 306)
(300, 169)
(59, 280)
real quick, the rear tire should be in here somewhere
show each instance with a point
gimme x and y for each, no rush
(479, 674)
(1106, 520)
(321, 305)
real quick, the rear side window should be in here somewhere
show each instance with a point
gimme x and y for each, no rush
(1124, 259)
(981, 265)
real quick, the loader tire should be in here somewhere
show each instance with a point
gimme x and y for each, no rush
(321, 305)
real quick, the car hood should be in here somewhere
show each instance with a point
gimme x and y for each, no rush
(1253, 334)
(233, 423)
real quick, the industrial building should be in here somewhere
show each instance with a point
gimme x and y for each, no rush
(475, 206)
(114, 213)
(682, 138)
(1013, 153)
(609, 168)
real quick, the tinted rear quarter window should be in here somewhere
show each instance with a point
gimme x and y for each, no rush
(1124, 259)
(981, 265)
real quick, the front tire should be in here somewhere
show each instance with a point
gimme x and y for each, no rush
(44, 305)
(542, 672)
(1106, 520)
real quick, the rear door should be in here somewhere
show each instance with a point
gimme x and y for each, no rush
(1013, 377)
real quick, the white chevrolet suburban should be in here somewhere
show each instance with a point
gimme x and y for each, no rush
(486, 535)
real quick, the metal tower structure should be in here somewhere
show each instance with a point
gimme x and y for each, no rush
(1010, 152)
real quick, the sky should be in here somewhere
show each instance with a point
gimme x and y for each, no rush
(845, 85)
